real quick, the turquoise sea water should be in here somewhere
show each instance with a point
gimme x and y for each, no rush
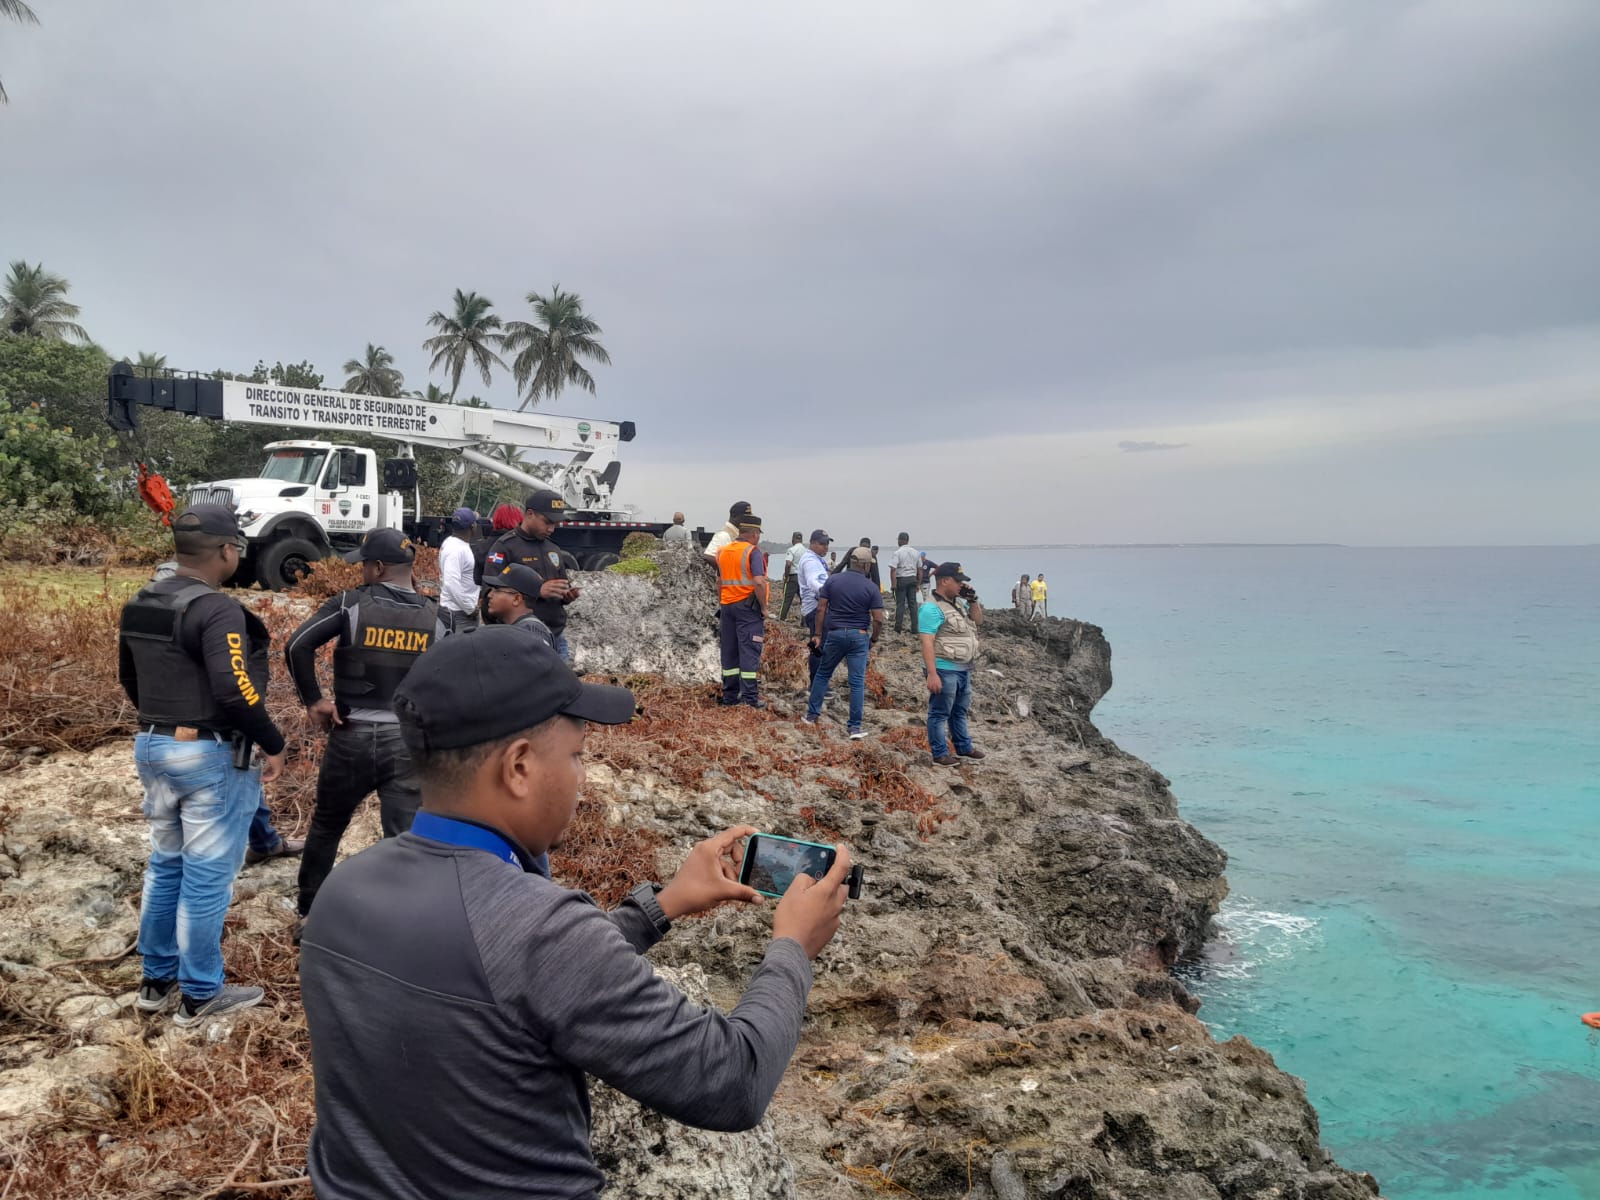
(1400, 751)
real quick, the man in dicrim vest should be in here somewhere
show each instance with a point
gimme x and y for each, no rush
(743, 614)
(530, 545)
(382, 628)
(194, 663)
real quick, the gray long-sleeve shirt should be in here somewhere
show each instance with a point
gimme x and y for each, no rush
(456, 1003)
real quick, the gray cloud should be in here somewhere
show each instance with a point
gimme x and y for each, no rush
(884, 223)
(1146, 447)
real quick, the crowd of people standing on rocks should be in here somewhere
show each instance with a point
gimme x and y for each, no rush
(465, 718)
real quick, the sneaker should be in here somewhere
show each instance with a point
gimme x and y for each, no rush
(157, 995)
(231, 998)
(756, 704)
(286, 848)
(973, 753)
(947, 760)
(857, 734)
(808, 720)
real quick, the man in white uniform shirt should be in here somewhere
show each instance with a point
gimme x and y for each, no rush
(905, 573)
(458, 595)
(812, 570)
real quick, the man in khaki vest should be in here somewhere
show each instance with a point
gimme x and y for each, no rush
(949, 624)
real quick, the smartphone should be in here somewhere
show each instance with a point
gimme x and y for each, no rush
(772, 862)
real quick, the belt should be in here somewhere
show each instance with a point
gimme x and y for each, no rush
(185, 733)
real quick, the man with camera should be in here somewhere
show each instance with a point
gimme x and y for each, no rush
(457, 997)
(194, 663)
(949, 624)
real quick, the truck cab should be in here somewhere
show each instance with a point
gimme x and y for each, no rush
(311, 499)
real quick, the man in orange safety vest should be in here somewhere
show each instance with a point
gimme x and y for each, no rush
(743, 615)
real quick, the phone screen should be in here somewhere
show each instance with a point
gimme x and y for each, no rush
(771, 862)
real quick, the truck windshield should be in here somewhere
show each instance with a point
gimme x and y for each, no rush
(294, 466)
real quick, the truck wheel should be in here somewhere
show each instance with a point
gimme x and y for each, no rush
(599, 560)
(283, 562)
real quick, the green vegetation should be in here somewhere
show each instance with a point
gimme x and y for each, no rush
(547, 353)
(36, 303)
(19, 12)
(470, 333)
(636, 566)
(374, 375)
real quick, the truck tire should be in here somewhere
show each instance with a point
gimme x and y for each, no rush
(599, 560)
(281, 563)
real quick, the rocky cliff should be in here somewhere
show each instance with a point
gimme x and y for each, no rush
(995, 1018)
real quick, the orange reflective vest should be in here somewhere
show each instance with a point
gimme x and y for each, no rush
(733, 564)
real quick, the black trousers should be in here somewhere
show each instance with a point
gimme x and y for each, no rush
(791, 591)
(905, 601)
(814, 658)
(361, 758)
(743, 631)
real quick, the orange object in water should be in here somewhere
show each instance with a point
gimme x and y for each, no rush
(153, 490)
(1592, 1020)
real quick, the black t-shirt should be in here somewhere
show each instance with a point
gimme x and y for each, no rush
(543, 557)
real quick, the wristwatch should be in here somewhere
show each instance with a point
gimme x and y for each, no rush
(645, 897)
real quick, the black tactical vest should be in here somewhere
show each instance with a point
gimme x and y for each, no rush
(174, 688)
(387, 638)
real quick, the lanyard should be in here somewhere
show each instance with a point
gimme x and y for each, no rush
(475, 837)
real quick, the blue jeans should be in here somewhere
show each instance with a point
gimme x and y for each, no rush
(264, 835)
(563, 649)
(199, 809)
(950, 705)
(850, 645)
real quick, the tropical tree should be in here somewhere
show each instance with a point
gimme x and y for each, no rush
(432, 394)
(149, 365)
(23, 15)
(374, 376)
(36, 303)
(547, 351)
(470, 334)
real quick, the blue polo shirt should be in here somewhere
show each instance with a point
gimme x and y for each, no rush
(851, 598)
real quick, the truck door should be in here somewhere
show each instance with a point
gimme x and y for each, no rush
(347, 496)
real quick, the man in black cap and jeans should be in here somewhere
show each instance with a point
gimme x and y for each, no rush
(457, 997)
(529, 545)
(381, 629)
(194, 663)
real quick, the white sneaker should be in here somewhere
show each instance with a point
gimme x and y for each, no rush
(857, 734)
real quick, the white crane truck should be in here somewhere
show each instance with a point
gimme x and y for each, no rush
(315, 498)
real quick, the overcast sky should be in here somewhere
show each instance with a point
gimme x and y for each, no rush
(1124, 270)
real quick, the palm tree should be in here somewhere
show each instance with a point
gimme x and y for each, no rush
(36, 303)
(548, 352)
(467, 335)
(376, 376)
(150, 365)
(23, 15)
(432, 394)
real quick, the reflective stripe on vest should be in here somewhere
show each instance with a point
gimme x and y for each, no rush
(733, 561)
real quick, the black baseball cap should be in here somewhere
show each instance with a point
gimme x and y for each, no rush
(950, 571)
(487, 683)
(820, 535)
(547, 503)
(216, 520)
(518, 578)
(738, 509)
(385, 546)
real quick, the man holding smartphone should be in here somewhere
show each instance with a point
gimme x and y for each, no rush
(457, 997)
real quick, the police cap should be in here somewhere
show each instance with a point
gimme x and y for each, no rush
(518, 578)
(385, 546)
(488, 683)
(547, 503)
(950, 571)
(215, 520)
